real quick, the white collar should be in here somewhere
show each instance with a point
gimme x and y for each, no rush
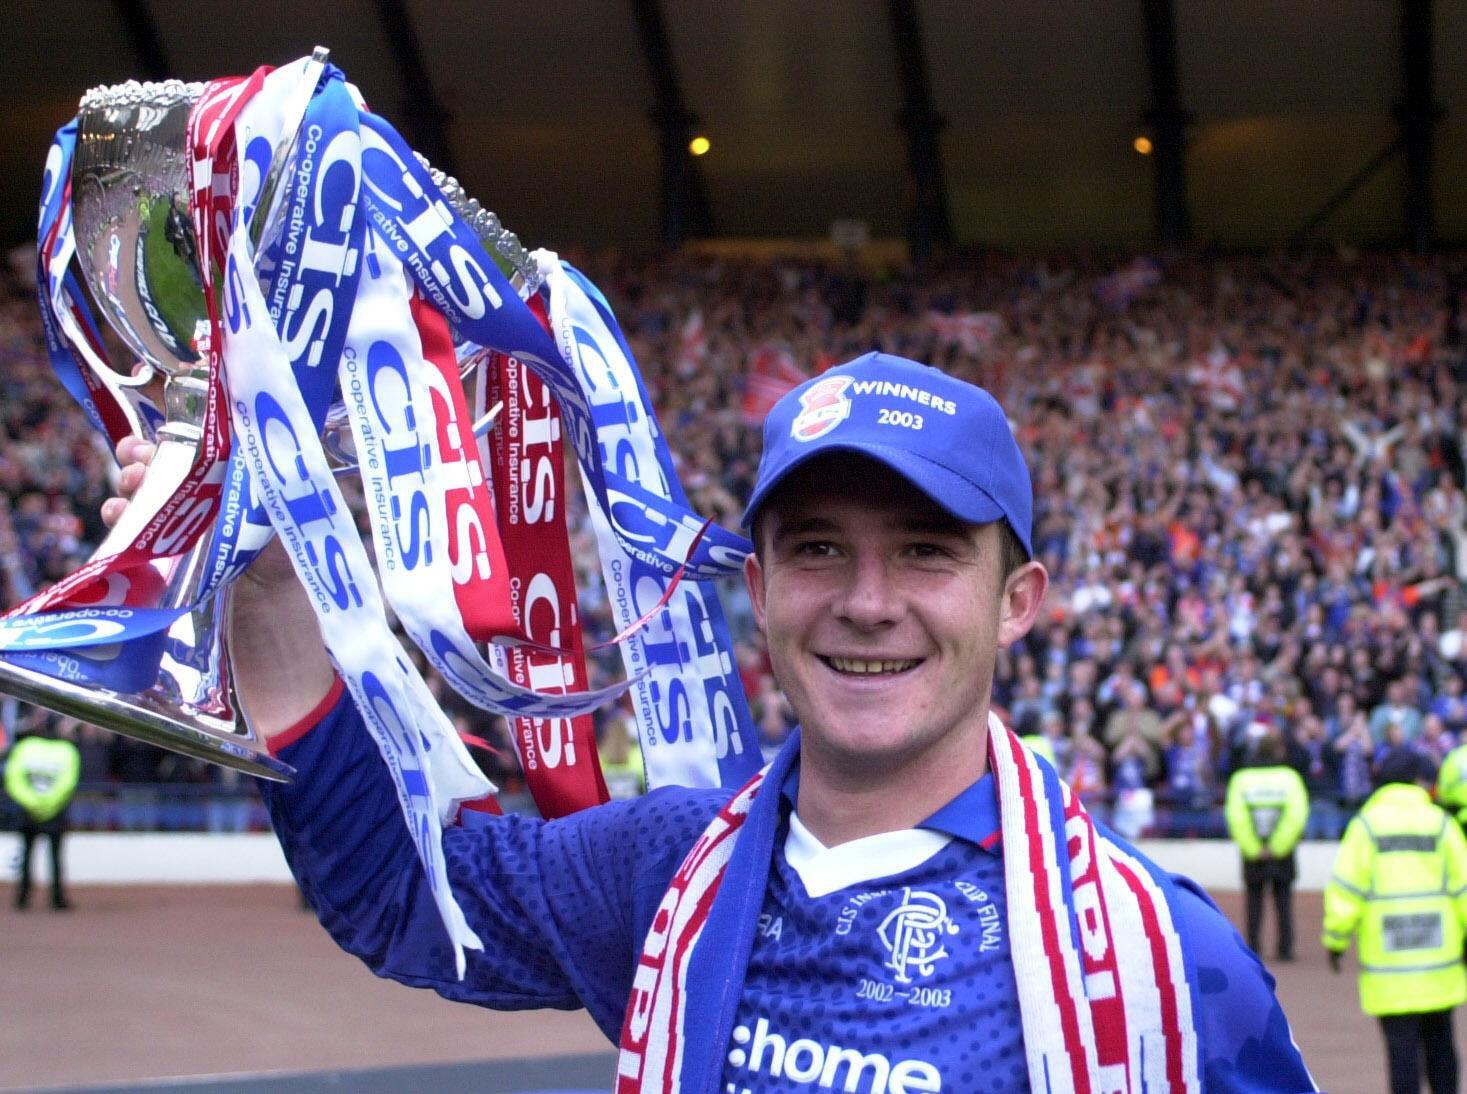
(825, 870)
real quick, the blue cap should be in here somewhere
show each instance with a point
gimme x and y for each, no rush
(949, 438)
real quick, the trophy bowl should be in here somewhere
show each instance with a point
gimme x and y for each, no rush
(135, 240)
(139, 259)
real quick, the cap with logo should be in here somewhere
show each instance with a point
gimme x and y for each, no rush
(948, 438)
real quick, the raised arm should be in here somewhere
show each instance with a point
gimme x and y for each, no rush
(281, 670)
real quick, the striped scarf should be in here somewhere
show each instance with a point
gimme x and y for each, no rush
(1102, 977)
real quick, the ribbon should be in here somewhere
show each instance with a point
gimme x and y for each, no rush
(692, 717)
(388, 385)
(300, 495)
(526, 454)
(73, 345)
(448, 262)
(481, 584)
(362, 280)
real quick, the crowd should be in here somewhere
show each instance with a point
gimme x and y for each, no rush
(1248, 476)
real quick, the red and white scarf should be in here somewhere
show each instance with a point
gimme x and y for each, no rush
(1104, 1011)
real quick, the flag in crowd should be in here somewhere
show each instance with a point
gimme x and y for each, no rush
(969, 331)
(692, 344)
(1218, 374)
(1127, 283)
(771, 373)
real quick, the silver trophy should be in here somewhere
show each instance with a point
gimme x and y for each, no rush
(138, 254)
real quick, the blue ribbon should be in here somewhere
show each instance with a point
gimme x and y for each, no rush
(449, 263)
(708, 640)
(63, 363)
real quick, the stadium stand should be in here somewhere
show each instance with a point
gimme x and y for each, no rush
(1249, 476)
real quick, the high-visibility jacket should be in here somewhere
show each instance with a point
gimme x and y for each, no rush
(1266, 807)
(1451, 784)
(1400, 887)
(41, 775)
(1040, 745)
(627, 777)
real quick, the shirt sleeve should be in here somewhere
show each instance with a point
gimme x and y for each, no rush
(561, 907)
(1349, 882)
(1246, 1046)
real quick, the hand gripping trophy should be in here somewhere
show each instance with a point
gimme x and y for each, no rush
(283, 268)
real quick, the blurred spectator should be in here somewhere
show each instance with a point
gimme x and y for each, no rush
(1435, 741)
(1249, 487)
(1356, 754)
(1397, 711)
(1190, 786)
(1319, 764)
(1134, 721)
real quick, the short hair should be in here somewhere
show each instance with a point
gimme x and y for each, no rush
(1011, 551)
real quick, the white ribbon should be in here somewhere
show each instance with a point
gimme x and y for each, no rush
(430, 768)
(387, 384)
(684, 684)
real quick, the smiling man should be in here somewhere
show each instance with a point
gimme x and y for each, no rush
(884, 611)
(904, 900)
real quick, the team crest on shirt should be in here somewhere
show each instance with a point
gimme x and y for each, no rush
(915, 934)
(825, 405)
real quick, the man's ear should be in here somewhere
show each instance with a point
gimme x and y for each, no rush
(1023, 596)
(754, 582)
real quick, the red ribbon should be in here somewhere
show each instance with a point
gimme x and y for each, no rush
(475, 551)
(561, 765)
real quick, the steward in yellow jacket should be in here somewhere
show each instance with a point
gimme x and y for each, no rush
(41, 775)
(1451, 784)
(1266, 809)
(1399, 888)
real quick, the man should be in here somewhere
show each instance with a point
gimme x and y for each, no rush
(1267, 808)
(906, 900)
(1399, 888)
(1397, 711)
(40, 776)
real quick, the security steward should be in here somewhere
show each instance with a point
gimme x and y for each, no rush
(41, 774)
(1266, 810)
(1451, 784)
(1399, 886)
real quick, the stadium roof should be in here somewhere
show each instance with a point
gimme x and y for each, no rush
(547, 106)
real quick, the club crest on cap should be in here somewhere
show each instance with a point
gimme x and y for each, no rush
(825, 407)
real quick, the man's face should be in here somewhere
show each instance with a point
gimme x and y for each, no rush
(882, 613)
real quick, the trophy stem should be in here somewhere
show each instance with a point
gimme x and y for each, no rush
(172, 459)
